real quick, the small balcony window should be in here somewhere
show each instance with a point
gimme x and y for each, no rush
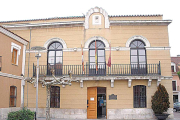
(174, 85)
(173, 67)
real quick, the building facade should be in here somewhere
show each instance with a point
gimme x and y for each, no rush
(12, 66)
(136, 48)
(175, 81)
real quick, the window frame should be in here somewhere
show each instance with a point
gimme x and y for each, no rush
(18, 48)
(49, 66)
(14, 56)
(137, 67)
(174, 65)
(141, 104)
(97, 52)
(56, 95)
(13, 96)
(175, 85)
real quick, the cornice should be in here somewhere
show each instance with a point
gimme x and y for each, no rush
(12, 35)
(82, 23)
(140, 22)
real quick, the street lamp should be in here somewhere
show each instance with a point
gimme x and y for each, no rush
(38, 55)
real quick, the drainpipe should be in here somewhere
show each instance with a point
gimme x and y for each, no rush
(28, 64)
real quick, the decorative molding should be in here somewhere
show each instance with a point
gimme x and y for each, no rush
(112, 83)
(140, 22)
(48, 42)
(81, 83)
(14, 36)
(158, 48)
(11, 76)
(158, 81)
(149, 82)
(86, 45)
(147, 43)
(96, 10)
(154, 77)
(96, 22)
(129, 83)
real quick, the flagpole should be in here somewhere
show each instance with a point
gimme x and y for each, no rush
(96, 56)
(82, 58)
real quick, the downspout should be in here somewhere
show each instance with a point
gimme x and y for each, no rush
(28, 64)
(23, 73)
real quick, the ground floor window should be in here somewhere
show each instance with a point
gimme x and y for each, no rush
(12, 102)
(175, 98)
(139, 96)
(55, 97)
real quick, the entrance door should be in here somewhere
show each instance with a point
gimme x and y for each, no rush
(92, 103)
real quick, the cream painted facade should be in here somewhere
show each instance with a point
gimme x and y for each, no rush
(120, 31)
(10, 74)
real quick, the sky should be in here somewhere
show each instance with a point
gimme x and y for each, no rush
(35, 9)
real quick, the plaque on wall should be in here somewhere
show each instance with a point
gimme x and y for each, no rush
(112, 97)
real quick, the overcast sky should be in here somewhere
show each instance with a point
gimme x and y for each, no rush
(34, 9)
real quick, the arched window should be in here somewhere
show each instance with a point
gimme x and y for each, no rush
(55, 58)
(139, 95)
(138, 57)
(97, 65)
(13, 95)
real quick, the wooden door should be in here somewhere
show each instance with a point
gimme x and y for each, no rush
(92, 103)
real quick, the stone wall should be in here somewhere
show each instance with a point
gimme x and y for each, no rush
(139, 113)
(4, 112)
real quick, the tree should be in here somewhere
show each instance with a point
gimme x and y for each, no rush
(160, 100)
(56, 81)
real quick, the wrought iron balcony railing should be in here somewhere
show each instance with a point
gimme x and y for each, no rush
(102, 70)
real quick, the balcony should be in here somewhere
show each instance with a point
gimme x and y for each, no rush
(103, 70)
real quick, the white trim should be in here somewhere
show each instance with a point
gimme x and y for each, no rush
(18, 48)
(173, 64)
(11, 35)
(23, 59)
(158, 48)
(147, 43)
(11, 76)
(86, 45)
(48, 42)
(96, 10)
(140, 22)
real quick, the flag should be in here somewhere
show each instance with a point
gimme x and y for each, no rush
(109, 61)
(82, 57)
(96, 56)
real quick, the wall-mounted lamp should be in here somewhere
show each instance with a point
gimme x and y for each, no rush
(75, 49)
(117, 48)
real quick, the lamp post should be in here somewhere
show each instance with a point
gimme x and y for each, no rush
(38, 55)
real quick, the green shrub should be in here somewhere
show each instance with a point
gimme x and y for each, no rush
(24, 114)
(160, 100)
(178, 73)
